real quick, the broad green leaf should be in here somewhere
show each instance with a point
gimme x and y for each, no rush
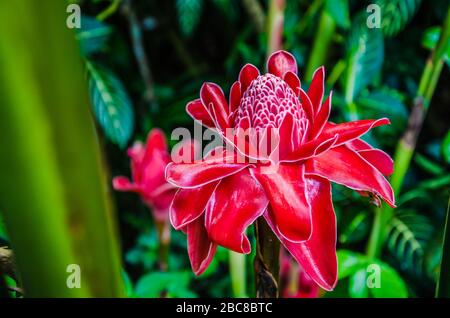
(339, 11)
(189, 12)
(369, 277)
(365, 54)
(112, 106)
(349, 262)
(49, 150)
(93, 35)
(157, 283)
(357, 285)
(391, 284)
(396, 14)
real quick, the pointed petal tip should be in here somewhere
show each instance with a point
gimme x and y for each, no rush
(246, 75)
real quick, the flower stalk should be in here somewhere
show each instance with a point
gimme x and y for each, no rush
(238, 274)
(163, 231)
(275, 23)
(407, 144)
(266, 263)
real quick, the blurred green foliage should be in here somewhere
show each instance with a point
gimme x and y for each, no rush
(373, 73)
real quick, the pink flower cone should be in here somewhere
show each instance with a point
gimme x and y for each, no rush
(221, 195)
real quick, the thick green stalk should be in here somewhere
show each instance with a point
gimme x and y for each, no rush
(443, 285)
(53, 192)
(275, 25)
(406, 146)
(322, 41)
(238, 274)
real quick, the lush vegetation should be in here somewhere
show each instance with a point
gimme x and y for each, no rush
(143, 61)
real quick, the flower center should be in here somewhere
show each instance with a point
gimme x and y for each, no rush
(265, 103)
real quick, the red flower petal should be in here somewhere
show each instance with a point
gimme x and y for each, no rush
(156, 141)
(247, 74)
(122, 183)
(160, 204)
(213, 99)
(235, 204)
(201, 249)
(316, 89)
(359, 144)
(322, 116)
(317, 256)
(293, 81)
(344, 166)
(286, 145)
(285, 189)
(351, 130)
(379, 159)
(311, 149)
(235, 96)
(281, 62)
(192, 175)
(184, 209)
(307, 106)
(376, 157)
(198, 112)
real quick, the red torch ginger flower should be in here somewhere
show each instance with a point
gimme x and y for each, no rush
(220, 196)
(148, 163)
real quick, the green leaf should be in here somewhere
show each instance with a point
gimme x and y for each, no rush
(349, 262)
(112, 106)
(157, 283)
(408, 234)
(189, 12)
(443, 286)
(361, 271)
(391, 284)
(356, 229)
(339, 11)
(396, 14)
(385, 102)
(93, 35)
(428, 165)
(430, 40)
(128, 284)
(446, 148)
(357, 287)
(365, 54)
(3, 234)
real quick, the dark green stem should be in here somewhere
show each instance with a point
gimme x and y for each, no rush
(267, 260)
(443, 285)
